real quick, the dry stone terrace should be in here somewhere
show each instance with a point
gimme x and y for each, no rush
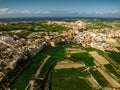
(14, 48)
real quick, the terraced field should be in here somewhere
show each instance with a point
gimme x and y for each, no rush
(115, 56)
(84, 57)
(27, 74)
(70, 79)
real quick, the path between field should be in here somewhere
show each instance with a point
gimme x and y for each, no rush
(40, 67)
(108, 78)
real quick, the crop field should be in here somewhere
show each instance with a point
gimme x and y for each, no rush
(85, 57)
(69, 79)
(22, 80)
(56, 53)
(33, 26)
(98, 24)
(63, 79)
(100, 79)
(115, 56)
(27, 74)
(112, 70)
(46, 67)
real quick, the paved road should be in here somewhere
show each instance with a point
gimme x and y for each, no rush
(41, 66)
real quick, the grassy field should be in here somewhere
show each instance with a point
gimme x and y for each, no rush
(57, 53)
(63, 79)
(69, 79)
(24, 35)
(112, 70)
(115, 56)
(22, 80)
(100, 79)
(85, 57)
(100, 24)
(33, 26)
(47, 65)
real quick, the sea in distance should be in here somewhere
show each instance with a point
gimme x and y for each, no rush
(17, 19)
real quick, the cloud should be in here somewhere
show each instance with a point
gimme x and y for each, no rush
(108, 13)
(4, 10)
(14, 12)
(7, 12)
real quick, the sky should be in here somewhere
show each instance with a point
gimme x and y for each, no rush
(60, 8)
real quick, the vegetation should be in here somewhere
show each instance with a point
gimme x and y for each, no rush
(69, 79)
(94, 49)
(100, 24)
(90, 49)
(114, 55)
(28, 72)
(100, 79)
(42, 25)
(112, 70)
(24, 35)
(56, 53)
(32, 26)
(85, 57)
(47, 66)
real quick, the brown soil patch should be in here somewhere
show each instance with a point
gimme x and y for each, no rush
(98, 58)
(94, 82)
(68, 64)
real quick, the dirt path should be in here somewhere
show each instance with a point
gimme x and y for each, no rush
(109, 79)
(40, 67)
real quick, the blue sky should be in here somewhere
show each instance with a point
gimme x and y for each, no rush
(48, 8)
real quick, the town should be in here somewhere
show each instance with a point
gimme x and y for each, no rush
(15, 47)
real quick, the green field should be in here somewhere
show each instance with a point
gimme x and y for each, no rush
(100, 24)
(24, 35)
(99, 78)
(115, 56)
(42, 25)
(85, 57)
(62, 79)
(22, 80)
(69, 79)
(112, 70)
(58, 53)
(33, 26)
